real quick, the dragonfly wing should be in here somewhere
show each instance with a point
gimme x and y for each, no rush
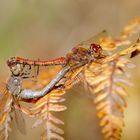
(94, 39)
(20, 121)
(5, 109)
(5, 98)
(103, 39)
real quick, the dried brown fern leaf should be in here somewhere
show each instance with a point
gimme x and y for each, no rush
(5, 109)
(132, 28)
(129, 30)
(109, 43)
(44, 108)
(107, 83)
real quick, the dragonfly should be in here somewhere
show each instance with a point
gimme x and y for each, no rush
(82, 54)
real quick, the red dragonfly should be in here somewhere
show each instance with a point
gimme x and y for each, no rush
(84, 53)
(86, 50)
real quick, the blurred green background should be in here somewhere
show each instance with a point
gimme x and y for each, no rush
(47, 29)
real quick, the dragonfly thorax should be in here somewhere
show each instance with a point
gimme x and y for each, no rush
(14, 85)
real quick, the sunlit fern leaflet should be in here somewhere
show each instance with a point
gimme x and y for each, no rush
(108, 88)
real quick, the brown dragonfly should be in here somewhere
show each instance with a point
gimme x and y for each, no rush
(84, 53)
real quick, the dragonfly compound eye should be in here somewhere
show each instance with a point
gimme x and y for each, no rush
(95, 50)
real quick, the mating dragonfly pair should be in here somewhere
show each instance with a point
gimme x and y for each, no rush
(84, 53)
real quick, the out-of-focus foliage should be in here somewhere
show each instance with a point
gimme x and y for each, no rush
(43, 109)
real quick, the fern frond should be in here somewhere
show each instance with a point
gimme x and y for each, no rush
(108, 43)
(107, 83)
(44, 109)
(132, 28)
(5, 109)
(129, 30)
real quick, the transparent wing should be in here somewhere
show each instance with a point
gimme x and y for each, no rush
(94, 39)
(5, 109)
(5, 98)
(103, 39)
(19, 119)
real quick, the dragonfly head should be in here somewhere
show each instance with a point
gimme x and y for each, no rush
(95, 50)
(14, 65)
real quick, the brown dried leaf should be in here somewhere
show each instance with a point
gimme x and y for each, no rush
(105, 80)
(132, 28)
(43, 109)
